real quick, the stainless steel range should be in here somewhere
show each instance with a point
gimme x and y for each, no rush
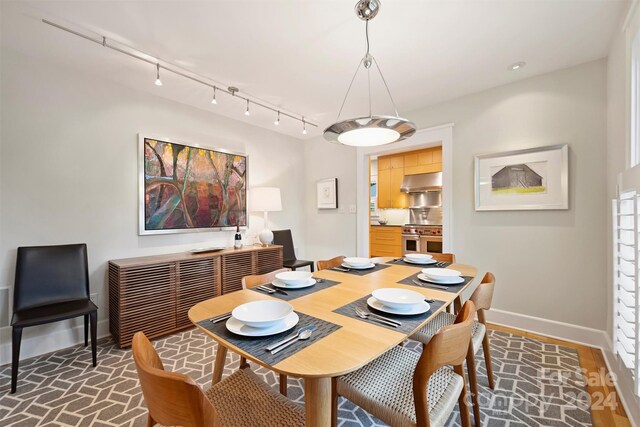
(420, 239)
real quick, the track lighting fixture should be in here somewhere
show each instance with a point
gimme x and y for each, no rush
(213, 100)
(158, 81)
(247, 112)
(277, 122)
(304, 126)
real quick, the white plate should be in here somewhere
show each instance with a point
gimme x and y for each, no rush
(426, 278)
(397, 298)
(360, 267)
(418, 257)
(443, 275)
(420, 308)
(262, 314)
(357, 261)
(237, 327)
(426, 262)
(280, 284)
(294, 278)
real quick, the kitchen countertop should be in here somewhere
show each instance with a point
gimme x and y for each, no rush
(386, 225)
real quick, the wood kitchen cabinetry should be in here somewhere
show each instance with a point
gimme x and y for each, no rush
(390, 176)
(423, 161)
(153, 294)
(385, 241)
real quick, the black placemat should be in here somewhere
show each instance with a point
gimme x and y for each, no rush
(297, 293)
(256, 345)
(409, 323)
(356, 272)
(454, 288)
(408, 264)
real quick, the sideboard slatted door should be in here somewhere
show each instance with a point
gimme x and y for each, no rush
(147, 301)
(197, 280)
(269, 260)
(234, 267)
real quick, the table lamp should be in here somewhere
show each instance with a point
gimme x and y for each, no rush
(266, 199)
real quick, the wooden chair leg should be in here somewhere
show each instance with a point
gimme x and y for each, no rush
(86, 330)
(334, 403)
(283, 385)
(463, 403)
(93, 319)
(473, 385)
(16, 340)
(150, 421)
(218, 366)
(487, 359)
(243, 362)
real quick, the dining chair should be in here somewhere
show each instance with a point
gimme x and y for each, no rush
(404, 388)
(251, 282)
(330, 263)
(51, 284)
(241, 399)
(443, 257)
(482, 297)
(284, 239)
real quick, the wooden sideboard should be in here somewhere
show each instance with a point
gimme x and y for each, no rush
(153, 294)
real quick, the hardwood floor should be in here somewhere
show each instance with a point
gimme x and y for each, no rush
(606, 410)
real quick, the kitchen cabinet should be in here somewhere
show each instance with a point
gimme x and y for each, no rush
(423, 161)
(390, 176)
(385, 241)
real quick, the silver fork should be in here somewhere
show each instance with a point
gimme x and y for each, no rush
(376, 318)
(266, 290)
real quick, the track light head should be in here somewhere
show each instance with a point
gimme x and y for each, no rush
(247, 112)
(158, 81)
(213, 100)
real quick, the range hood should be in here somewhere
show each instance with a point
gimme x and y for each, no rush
(422, 182)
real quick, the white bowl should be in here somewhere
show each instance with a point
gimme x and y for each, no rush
(357, 262)
(262, 314)
(397, 298)
(444, 275)
(418, 257)
(294, 278)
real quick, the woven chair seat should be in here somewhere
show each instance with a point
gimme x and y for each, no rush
(384, 388)
(427, 332)
(244, 400)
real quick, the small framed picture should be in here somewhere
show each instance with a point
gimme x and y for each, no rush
(327, 193)
(536, 178)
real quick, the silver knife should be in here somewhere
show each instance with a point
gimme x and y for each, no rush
(292, 337)
(341, 269)
(385, 318)
(429, 285)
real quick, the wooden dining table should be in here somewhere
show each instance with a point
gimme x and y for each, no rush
(345, 350)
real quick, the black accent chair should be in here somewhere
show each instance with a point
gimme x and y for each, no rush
(52, 284)
(284, 239)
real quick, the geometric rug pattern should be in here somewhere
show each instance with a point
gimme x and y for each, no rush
(537, 384)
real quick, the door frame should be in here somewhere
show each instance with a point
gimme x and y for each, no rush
(423, 138)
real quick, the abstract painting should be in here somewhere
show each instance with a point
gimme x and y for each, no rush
(535, 178)
(186, 188)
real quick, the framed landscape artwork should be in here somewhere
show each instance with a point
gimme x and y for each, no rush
(185, 188)
(536, 178)
(327, 193)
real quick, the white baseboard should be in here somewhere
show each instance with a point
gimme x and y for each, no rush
(47, 342)
(579, 335)
(550, 328)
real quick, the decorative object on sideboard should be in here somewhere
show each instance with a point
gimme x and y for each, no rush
(237, 239)
(187, 188)
(266, 199)
(531, 179)
(369, 130)
(327, 193)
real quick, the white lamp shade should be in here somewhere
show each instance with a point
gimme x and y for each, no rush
(265, 199)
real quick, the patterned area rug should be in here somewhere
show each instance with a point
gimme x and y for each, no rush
(537, 384)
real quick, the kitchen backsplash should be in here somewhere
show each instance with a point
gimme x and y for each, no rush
(393, 216)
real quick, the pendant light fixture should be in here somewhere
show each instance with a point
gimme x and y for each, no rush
(370, 130)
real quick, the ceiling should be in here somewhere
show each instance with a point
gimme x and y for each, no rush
(300, 55)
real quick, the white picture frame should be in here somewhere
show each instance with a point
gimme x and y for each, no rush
(327, 193)
(530, 179)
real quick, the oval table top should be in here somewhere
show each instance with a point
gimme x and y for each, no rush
(353, 345)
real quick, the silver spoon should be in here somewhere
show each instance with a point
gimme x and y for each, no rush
(303, 336)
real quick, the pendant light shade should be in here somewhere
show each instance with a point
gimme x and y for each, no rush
(371, 130)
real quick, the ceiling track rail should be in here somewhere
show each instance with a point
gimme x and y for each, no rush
(136, 54)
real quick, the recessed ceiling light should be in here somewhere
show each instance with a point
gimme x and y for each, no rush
(516, 66)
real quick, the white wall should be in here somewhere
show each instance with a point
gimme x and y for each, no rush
(330, 232)
(68, 173)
